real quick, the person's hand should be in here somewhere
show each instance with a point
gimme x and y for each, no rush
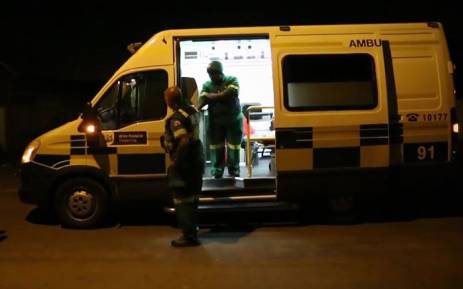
(212, 95)
(201, 103)
(175, 163)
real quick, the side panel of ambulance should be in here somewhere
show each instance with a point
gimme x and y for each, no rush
(355, 103)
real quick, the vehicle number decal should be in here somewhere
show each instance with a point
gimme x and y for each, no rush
(427, 117)
(426, 152)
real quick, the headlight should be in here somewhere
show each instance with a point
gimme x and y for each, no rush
(30, 151)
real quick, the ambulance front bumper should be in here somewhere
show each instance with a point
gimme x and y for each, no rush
(36, 183)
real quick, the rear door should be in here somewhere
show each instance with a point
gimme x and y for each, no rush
(331, 112)
(424, 96)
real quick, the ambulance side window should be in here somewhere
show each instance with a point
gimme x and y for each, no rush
(329, 82)
(135, 97)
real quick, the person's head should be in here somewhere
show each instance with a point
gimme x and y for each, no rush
(173, 97)
(215, 71)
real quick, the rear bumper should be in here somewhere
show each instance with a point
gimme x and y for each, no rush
(36, 183)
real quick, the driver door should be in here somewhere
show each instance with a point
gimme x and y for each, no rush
(132, 116)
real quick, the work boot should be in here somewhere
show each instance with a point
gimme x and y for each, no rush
(187, 221)
(183, 241)
(233, 173)
(217, 173)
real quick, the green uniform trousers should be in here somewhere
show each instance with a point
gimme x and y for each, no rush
(225, 135)
(186, 182)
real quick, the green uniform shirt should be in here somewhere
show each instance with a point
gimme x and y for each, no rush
(226, 108)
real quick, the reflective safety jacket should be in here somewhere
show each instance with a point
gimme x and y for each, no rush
(184, 121)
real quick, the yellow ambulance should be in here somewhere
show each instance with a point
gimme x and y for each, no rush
(330, 111)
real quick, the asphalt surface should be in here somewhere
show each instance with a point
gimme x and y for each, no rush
(246, 250)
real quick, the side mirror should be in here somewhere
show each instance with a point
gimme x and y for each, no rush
(90, 124)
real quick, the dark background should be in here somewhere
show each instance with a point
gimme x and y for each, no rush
(55, 56)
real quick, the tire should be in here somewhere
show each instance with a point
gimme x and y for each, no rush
(80, 203)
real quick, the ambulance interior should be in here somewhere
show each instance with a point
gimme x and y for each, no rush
(249, 60)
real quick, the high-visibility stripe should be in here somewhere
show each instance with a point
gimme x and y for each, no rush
(233, 86)
(184, 113)
(52, 160)
(234, 147)
(203, 93)
(180, 132)
(374, 134)
(216, 146)
(78, 137)
(292, 138)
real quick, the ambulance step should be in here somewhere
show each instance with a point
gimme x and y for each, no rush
(242, 206)
(236, 192)
(249, 206)
(236, 198)
(238, 184)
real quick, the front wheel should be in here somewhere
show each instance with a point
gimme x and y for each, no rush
(80, 203)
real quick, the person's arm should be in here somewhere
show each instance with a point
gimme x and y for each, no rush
(203, 97)
(182, 148)
(181, 135)
(231, 90)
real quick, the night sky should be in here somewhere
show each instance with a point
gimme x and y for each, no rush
(62, 50)
(86, 41)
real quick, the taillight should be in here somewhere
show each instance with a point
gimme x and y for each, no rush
(455, 131)
(455, 128)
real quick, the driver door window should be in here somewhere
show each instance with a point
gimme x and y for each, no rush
(133, 98)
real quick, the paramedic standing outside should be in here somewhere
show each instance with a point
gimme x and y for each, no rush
(181, 141)
(225, 127)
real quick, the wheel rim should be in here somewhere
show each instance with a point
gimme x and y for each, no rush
(81, 204)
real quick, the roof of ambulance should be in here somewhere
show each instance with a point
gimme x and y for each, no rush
(157, 51)
(301, 28)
